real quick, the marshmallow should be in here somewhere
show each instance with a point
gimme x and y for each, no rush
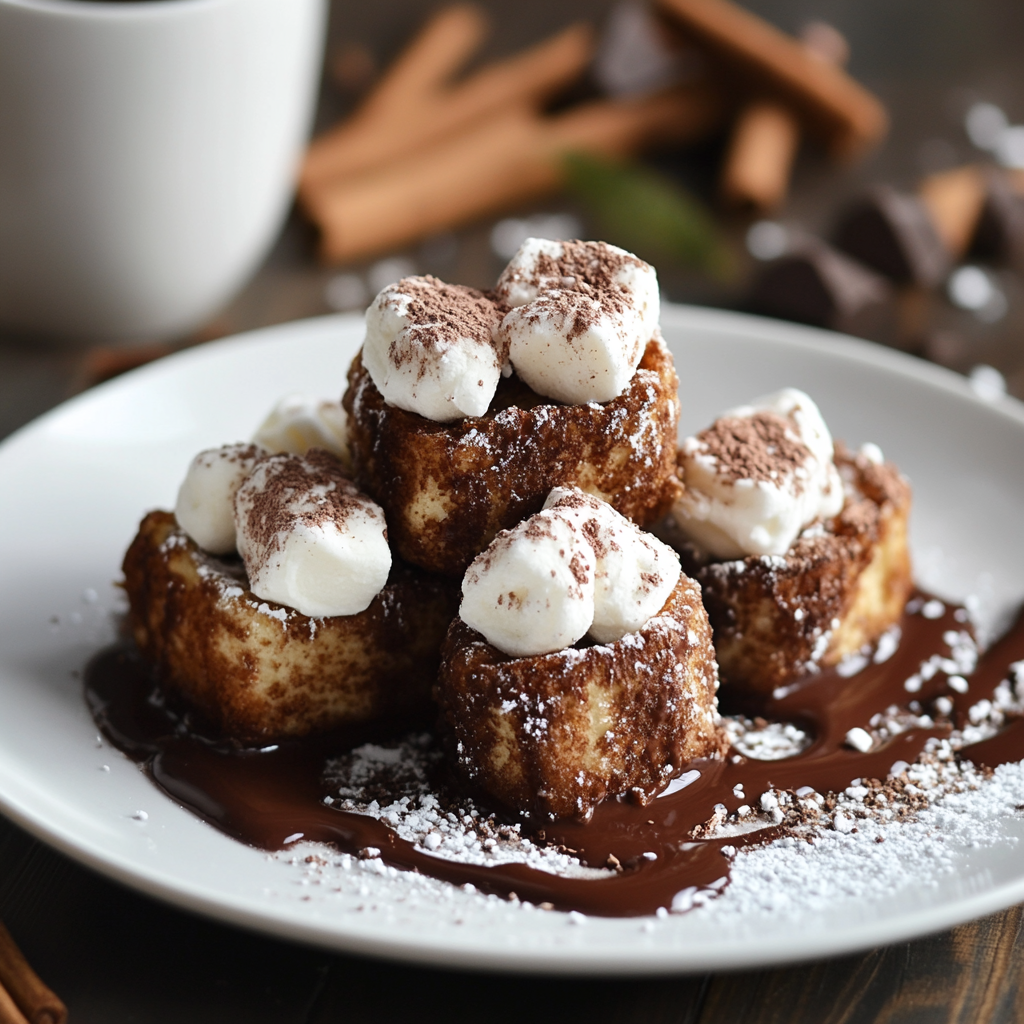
(574, 348)
(757, 477)
(532, 591)
(205, 506)
(533, 269)
(431, 348)
(639, 281)
(298, 423)
(309, 539)
(541, 265)
(577, 567)
(634, 572)
(582, 315)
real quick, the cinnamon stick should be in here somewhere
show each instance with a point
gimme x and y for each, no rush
(831, 103)
(760, 156)
(415, 105)
(9, 1012)
(510, 158)
(33, 999)
(766, 136)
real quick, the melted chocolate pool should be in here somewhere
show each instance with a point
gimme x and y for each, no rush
(263, 797)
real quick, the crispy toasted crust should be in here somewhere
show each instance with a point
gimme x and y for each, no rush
(260, 670)
(836, 590)
(556, 734)
(448, 488)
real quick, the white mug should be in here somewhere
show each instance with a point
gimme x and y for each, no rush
(148, 153)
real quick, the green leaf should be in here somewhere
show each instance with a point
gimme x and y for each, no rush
(647, 213)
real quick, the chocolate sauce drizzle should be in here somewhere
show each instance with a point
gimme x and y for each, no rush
(262, 797)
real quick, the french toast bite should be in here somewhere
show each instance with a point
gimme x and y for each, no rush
(837, 590)
(800, 547)
(448, 488)
(550, 727)
(465, 408)
(555, 734)
(263, 671)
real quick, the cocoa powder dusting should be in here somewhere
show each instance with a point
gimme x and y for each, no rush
(442, 313)
(536, 528)
(582, 284)
(579, 569)
(584, 267)
(762, 447)
(241, 452)
(317, 480)
(591, 529)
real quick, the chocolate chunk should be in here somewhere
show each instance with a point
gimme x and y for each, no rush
(815, 284)
(891, 232)
(999, 232)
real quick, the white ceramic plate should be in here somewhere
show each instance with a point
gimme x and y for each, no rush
(75, 483)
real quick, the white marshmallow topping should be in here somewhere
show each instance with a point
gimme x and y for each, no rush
(205, 508)
(634, 572)
(751, 488)
(582, 315)
(298, 423)
(532, 590)
(309, 539)
(577, 567)
(559, 360)
(431, 348)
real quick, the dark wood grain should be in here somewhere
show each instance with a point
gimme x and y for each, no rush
(115, 957)
(970, 975)
(456, 997)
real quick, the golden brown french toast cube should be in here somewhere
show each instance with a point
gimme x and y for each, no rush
(553, 735)
(262, 671)
(448, 488)
(839, 587)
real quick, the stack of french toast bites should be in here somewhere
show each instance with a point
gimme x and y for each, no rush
(499, 529)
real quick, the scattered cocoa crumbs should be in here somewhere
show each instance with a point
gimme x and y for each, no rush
(763, 447)
(580, 312)
(317, 480)
(577, 287)
(440, 314)
(583, 266)
(579, 569)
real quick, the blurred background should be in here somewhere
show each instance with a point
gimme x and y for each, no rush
(928, 259)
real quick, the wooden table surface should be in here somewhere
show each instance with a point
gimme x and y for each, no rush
(115, 956)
